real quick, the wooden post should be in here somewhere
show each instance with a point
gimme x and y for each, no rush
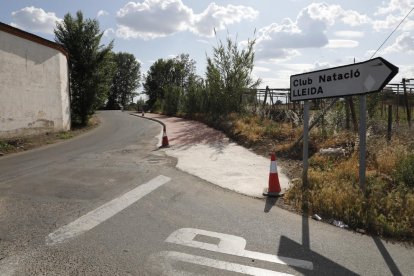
(389, 128)
(265, 96)
(347, 115)
(397, 115)
(407, 105)
(353, 114)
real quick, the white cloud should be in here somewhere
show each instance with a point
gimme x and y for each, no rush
(35, 20)
(401, 6)
(109, 32)
(349, 34)
(260, 69)
(153, 18)
(394, 11)
(404, 43)
(218, 17)
(102, 13)
(391, 21)
(341, 43)
(406, 71)
(203, 41)
(156, 18)
(280, 41)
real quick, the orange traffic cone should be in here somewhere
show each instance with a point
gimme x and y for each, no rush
(164, 139)
(274, 184)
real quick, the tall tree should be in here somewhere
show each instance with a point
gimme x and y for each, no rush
(168, 75)
(229, 74)
(125, 80)
(91, 69)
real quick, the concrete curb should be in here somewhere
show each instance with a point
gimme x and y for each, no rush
(157, 121)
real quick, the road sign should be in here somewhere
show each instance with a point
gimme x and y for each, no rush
(358, 78)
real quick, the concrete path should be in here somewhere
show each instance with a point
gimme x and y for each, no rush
(207, 153)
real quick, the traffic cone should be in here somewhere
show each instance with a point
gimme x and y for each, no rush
(274, 184)
(164, 138)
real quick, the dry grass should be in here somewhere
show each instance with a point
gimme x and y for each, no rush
(387, 208)
(254, 128)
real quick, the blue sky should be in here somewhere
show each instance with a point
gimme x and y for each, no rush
(293, 36)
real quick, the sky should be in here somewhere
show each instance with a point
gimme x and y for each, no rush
(292, 36)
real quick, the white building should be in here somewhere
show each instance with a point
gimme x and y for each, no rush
(34, 84)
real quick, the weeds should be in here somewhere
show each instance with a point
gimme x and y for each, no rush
(387, 209)
(5, 146)
(65, 135)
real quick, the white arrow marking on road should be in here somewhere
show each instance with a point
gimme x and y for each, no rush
(104, 212)
(198, 260)
(232, 245)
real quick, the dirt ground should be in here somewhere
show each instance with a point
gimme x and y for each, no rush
(20, 144)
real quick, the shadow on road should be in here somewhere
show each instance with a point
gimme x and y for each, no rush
(387, 257)
(322, 265)
(270, 202)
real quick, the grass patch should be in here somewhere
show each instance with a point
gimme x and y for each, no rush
(5, 146)
(65, 135)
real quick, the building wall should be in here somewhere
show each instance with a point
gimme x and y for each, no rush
(34, 88)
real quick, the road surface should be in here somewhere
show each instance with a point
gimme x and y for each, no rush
(111, 203)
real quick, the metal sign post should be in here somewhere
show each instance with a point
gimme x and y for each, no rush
(362, 140)
(358, 78)
(305, 143)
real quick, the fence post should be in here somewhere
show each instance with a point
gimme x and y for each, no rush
(389, 128)
(407, 105)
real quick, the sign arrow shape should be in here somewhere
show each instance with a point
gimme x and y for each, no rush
(358, 78)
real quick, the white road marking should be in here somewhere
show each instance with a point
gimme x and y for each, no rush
(104, 212)
(172, 256)
(232, 245)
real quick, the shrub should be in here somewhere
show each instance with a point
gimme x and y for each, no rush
(172, 100)
(405, 171)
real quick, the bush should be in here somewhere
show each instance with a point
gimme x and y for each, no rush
(5, 146)
(172, 100)
(405, 171)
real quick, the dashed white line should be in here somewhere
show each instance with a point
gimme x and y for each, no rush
(104, 212)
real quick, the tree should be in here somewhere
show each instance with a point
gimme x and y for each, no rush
(125, 80)
(229, 75)
(91, 69)
(169, 76)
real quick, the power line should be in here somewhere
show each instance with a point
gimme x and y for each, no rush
(392, 33)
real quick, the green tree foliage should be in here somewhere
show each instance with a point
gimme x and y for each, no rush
(91, 69)
(228, 76)
(125, 80)
(168, 76)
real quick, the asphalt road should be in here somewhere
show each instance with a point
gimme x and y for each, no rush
(111, 203)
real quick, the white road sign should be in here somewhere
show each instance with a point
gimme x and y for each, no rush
(358, 78)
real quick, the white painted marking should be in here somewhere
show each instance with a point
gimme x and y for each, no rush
(369, 83)
(232, 245)
(198, 260)
(104, 212)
